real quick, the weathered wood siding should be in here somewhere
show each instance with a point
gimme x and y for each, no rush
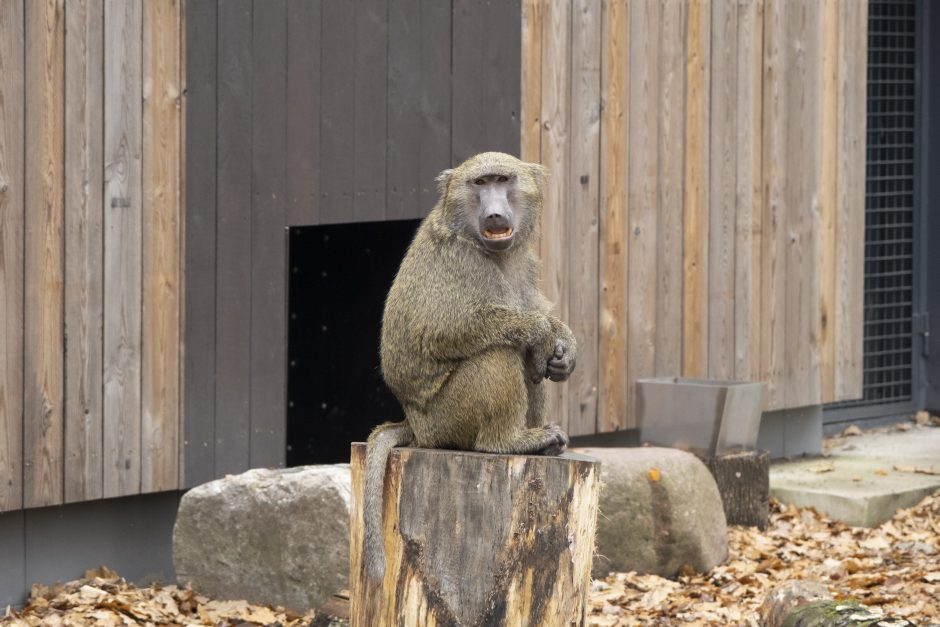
(90, 154)
(706, 208)
(310, 112)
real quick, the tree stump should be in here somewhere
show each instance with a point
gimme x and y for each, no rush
(743, 480)
(809, 604)
(477, 539)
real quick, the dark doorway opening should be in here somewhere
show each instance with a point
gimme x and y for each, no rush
(339, 277)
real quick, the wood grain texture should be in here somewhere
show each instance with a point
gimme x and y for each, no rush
(748, 170)
(583, 204)
(269, 238)
(773, 241)
(122, 245)
(801, 197)
(303, 112)
(612, 410)
(160, 420)
(530, 104)
(556, 102)
(233, 228)
(526, 533)
(43, 397)
(199, 298)
(643, 223)
(696, 191)
(84, 222)
(671, 132)
(850, 217)
(828, 195)
(12, 49)
(369, 103)
(722, 189)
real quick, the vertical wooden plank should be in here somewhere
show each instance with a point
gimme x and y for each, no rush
(556, 98)
(269, 236)
(724, 137)
(583, 203)
(468, 39)
(419, 91)
(123, 93)
(11, 254)
(161, 249)
(671, 130)
(500, 93)
(612, 410)
(371, 84)
(531, 79)
(748, 192)
(642, 266)
(181, 447)
(828, 138)
(44, 315)
(850, 214)
(773, 241)
(337, 121)
(84, 217)
(804, 28)
(695, 192)
(200, 242)
(234, 249)
(303, 112)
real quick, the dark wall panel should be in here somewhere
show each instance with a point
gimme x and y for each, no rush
(337, 121)
(269, 236)
(234, 233)
(13, 584)
(419, 90)
(303, 112)
(199, 265)
(310, 112)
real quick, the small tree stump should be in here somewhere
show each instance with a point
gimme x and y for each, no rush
(809, 604)
(743, 480)
(477, 539)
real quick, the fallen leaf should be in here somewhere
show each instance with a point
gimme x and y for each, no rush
(851, 430)
(921, 418)
(903, 426)
(881, 472)
(822, 467)
(653, 474)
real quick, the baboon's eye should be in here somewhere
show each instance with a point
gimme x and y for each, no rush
(479, 181)
(503, 179)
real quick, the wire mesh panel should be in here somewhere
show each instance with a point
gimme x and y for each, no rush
(889, 204)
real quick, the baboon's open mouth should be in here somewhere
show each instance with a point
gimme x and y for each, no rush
(498, 233)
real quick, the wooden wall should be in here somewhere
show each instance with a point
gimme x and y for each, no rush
(312, 112)
(705, 216)
(90, 132)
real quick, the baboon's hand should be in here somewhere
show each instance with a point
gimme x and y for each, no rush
(557, 447)
(561, 364)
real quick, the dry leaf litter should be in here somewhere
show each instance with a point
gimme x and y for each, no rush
(895, 567)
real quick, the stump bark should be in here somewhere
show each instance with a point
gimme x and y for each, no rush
(809, 604)
(743, 480)
(477, 539)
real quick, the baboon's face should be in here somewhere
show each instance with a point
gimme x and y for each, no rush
(493, 199)
(496, 220)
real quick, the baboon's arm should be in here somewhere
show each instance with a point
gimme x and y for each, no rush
(488, 326)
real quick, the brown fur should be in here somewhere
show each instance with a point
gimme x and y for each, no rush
(467, 336)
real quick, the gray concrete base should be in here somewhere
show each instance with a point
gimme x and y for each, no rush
(130, 535)
(792, 432)
(871, 477)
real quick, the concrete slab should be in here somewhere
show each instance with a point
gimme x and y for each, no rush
(864, 479)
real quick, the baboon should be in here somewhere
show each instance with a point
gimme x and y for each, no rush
(467, 337)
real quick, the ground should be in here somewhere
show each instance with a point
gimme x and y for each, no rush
(893, 567)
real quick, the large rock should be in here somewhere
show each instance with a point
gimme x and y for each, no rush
(278, 537)
(660, 511)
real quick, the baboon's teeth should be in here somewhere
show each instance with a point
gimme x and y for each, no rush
(497, 235)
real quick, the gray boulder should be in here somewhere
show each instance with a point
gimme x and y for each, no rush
(659, 511)
(276, 537)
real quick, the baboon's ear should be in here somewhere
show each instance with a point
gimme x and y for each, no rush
(443, 180)
(539, 172)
